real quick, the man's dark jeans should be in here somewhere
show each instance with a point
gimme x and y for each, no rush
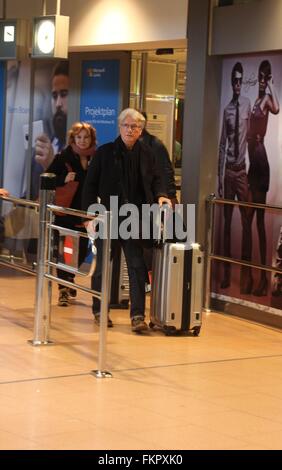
(137, 273)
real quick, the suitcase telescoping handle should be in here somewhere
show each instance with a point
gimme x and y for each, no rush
(161, 222)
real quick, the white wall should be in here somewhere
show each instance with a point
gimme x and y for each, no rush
(121, 22)
(245, 28)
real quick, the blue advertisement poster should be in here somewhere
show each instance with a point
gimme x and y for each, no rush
(99, 100)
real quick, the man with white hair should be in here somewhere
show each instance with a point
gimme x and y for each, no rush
(125, 168)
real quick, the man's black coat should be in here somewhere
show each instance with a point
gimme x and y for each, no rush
(104, 175)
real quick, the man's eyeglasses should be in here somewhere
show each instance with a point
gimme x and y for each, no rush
(132, 127)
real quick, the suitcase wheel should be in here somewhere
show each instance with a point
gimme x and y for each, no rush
(169, 330)
(196, 331)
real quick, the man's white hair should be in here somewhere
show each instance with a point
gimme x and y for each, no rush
(134, 114)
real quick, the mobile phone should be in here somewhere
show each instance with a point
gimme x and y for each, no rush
(37, 129)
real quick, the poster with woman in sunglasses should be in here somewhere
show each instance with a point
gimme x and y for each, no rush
(261, 145)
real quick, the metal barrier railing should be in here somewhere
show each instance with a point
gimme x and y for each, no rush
(212, 201)
(44, 266)
(76, 235)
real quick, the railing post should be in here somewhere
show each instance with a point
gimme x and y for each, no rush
(105, 291)
(43, 285)
(209, 248)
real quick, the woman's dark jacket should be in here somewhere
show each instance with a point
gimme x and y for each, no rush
(105, 175)
(58, 166)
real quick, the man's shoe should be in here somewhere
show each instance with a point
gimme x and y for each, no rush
(63, 300)
(97, 320)
(138, 324)
(72, 293)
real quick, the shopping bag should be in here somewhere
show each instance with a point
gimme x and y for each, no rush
(65, 194)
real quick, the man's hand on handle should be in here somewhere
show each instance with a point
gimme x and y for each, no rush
(164, 200)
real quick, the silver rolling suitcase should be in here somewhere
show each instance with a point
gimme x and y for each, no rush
(177, 288)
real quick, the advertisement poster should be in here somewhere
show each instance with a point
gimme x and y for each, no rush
(99, 100)
(16, 119)
(49, 123)
(250, 169)
(22, 167)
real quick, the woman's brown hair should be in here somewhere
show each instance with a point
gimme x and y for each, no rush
(77, 127)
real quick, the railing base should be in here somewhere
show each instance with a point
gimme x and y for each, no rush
(40, 343)
(102, 374)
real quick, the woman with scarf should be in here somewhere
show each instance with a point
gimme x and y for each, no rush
(72, 165)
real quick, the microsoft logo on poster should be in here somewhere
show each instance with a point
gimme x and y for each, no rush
(90, 72)
(95, 72)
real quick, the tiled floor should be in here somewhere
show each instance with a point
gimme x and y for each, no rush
(222, 390)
